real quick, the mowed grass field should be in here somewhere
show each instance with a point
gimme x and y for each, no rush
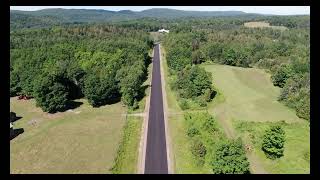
(84, 140)
(250, 99)
(249, 95)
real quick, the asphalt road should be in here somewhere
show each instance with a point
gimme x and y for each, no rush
(156, 153)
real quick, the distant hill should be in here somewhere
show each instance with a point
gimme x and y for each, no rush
(47, 17)
(88, 15)
(172, 13)
(99, 15)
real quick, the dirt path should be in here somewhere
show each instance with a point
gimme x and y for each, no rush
(223, 119)
(255, 164)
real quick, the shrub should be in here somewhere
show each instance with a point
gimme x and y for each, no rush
(192, 131)
(183, 103)
(209, 124)
(198, 149)
(209, 94)
(201, 101)
(281, 75)
(230, 158)
(273, 142)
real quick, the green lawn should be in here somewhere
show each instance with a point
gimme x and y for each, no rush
(84, 140)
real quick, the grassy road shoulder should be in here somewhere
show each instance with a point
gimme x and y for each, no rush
(126, 160)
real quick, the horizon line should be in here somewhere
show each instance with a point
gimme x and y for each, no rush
(14, 8)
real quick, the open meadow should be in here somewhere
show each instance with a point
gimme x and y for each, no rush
(249, 95)
(82, 140)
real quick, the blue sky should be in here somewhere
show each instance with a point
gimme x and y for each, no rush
(279, 10)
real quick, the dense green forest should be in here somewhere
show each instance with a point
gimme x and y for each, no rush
(101, 63)
(47, 17)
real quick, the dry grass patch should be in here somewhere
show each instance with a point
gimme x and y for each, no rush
(262, 24)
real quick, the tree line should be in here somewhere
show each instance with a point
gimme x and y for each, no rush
(56, 65)
(190, 81)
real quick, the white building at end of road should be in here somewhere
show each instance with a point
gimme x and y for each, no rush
(163, 30)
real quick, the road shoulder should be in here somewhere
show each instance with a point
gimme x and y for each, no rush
(165, 114)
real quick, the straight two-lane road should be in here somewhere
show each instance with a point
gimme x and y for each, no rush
(156, 153)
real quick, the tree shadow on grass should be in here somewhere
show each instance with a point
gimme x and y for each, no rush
(15, 132)
(74, 104)
(71, 105)
(112, 100)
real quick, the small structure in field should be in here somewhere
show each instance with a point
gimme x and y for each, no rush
(163, 30)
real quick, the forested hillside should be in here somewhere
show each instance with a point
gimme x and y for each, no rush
(49, 17)
(56, 65)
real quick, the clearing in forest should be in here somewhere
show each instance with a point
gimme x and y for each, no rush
(262, 24)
